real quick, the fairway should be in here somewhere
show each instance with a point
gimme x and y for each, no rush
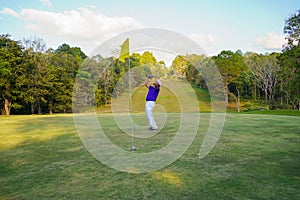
(140, 100)
(256, 157)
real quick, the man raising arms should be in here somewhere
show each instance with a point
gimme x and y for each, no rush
(153, 91)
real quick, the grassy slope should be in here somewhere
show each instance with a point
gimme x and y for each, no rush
(167, 97)
(257, 157)
(169, 101)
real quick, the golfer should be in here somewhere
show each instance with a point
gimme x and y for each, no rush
(153, 92)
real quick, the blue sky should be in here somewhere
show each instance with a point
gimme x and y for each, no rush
(249, 25)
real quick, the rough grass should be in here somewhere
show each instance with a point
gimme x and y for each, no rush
(256, 157)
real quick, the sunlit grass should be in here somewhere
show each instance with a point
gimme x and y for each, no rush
(23, 129)
(167, 98)
(256, 157)
(168, 177)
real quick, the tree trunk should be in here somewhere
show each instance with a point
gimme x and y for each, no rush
(32, 108)
(39, 109)
(226, 95)
(281, 95)
(226, 89)
(238, 100)
(254, 91)
(266, 94)
(7, 106)
(51, 107)
(271, 102)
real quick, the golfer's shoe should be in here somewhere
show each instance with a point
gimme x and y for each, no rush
(152, 129)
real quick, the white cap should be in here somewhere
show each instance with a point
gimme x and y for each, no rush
(159, 82)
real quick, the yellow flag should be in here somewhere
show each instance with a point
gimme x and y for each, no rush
(124, 50)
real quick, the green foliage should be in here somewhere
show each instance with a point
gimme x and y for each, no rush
(147, 58)
(290, 61)
(265, 70)
(75, 51)
(11, 67)
(155, 67)
(292, 30)
(63, 69)
(180, 66)
(231, 67)
(36, 80)
(290, 76)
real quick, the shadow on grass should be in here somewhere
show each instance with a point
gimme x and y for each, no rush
(257, 157)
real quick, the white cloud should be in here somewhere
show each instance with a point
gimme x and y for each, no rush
(271, 41)
(8, 11)
(47, 2)
(202, 39)
(207, 41)
(85, 27)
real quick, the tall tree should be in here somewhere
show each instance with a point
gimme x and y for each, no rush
(11, 67)
(75, 51)
(36, 74)
(194, 71)
(291, 57)
(106, 81)
(290, 77)
(35, 44)
(292, 30)
(86, 91)
(230, 66)
(265, 69)
(147, 58)
(62, 69)
(179, 66)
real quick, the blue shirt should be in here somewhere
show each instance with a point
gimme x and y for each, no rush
(152, 93)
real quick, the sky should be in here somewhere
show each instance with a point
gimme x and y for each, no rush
(216, 25)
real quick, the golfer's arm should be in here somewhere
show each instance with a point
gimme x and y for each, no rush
(147, 83)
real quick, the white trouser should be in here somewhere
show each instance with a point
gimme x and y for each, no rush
(149, 108)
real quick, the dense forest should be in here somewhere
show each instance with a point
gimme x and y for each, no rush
(34, 79)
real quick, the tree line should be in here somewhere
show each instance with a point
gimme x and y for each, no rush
(268, 79)
(272, 79)
(34, 79)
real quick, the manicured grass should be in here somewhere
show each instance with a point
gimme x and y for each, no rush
(170, 102)
(167, 98)
(276, 112)
(256, 157)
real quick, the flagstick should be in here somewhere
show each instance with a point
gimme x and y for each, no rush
(130, 106)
